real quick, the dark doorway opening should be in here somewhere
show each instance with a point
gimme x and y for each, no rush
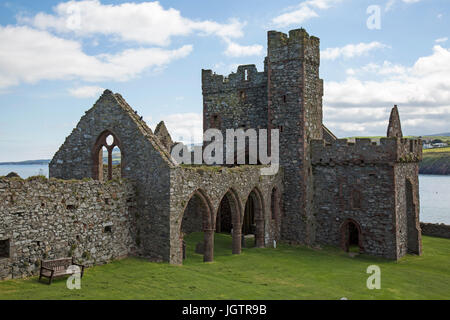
(224, 217)
(351, 238)
(253, 220)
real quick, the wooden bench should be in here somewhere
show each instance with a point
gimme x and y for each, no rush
(57, 268)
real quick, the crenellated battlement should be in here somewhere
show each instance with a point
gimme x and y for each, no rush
(246, 76)
(364, 151)
(298, 45)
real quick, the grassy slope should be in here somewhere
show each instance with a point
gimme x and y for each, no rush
(436, 161)
(283, 273)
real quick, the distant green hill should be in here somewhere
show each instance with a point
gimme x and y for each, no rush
(27, 162)
(435, 161)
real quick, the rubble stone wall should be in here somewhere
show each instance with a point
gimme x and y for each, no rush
(435, 229)
(48, 219)
(363, 193)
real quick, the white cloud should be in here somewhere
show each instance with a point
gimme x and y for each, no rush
(422, 92)
(236, 50)
(351, 50)
(295, 17)
(183, 127)
(86, 91)
(28, 55)
(146, 22)
(387, 68)
(302, 12)
(441, 40)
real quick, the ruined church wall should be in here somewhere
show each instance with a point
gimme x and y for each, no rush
(48, 219)
(143, 161)
(336, 190)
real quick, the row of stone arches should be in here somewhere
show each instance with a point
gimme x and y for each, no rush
(230, 217)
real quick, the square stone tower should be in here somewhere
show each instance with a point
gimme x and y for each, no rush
(295, 108)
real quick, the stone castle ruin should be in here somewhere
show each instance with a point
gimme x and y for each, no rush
(328, 191)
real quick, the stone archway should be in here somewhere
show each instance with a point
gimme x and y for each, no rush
(253, 217)
(351, 235)
(197, 217)
(109, 141)
(228, 219)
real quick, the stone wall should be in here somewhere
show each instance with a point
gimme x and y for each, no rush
(236, 101)
(46, 219)
(407, 204)
(366, 151)
(435, 229)
(145, 161)
(363, 193)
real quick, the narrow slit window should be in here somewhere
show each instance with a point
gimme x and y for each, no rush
(246, 75)
(242, 95)
(356, 199)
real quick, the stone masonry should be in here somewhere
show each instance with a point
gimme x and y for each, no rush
(328, 191)
(47, 219)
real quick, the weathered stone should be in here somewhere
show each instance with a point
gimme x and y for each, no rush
(327, 191)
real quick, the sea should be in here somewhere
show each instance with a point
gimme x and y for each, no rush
(434, 191)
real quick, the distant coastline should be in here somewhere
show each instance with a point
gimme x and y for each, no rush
(26, 162)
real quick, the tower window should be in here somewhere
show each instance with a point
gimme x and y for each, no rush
(215, 121)
(284, 99)
(356, 199)
(242, 95)
(246, 75)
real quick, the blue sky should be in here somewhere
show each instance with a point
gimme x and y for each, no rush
(56, 58)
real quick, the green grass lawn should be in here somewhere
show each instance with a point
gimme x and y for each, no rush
(287, 272)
